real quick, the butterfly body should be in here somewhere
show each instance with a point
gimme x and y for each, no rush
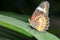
(39, 19)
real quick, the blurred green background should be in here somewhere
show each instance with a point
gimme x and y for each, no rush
(26, 7)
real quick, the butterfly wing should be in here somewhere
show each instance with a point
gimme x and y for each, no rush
(39, 19)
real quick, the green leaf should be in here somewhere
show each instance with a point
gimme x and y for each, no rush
(24, 28)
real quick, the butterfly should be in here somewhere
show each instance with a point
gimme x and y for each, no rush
(39, 19)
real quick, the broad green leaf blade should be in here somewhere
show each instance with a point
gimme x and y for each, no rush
(13, 27)
(17, 25)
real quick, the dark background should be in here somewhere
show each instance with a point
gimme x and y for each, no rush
(28, 6)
